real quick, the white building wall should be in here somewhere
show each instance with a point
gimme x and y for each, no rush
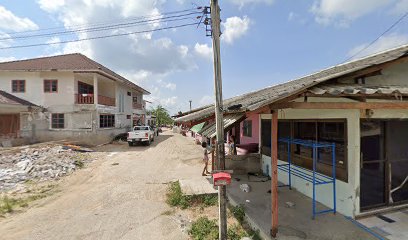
(35, 87)
(347, 193)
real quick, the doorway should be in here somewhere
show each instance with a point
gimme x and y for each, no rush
(384, 163)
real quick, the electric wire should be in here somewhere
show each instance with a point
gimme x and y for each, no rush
(106, 27)
(378, 38)
(99, 37)
(105, 22)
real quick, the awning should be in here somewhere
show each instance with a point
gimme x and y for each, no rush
(197, 128)
(229, 120)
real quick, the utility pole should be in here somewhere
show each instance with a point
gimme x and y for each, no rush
(222, 196)
(190, 104)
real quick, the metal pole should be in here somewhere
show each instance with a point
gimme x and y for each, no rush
(190, 104)
(222, 197)
(274, 173)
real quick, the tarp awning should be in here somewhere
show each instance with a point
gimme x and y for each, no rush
(197, 128)
(229, 120)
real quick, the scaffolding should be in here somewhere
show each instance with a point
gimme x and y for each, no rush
(310, 175)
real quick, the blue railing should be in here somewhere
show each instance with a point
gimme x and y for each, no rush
(311, 175)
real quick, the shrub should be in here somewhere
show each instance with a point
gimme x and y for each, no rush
(204, 229)
(238, 212)
(175, 198)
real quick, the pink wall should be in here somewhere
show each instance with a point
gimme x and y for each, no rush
(255, 129)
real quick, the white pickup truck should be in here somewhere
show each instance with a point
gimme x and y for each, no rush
(140, 134)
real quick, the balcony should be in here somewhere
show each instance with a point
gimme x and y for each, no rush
(137, 106)
(89, 99)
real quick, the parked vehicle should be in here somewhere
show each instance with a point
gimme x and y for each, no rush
(140, 134)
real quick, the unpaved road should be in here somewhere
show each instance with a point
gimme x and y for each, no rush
(105, 201)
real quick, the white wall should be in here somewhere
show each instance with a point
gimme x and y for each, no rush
(35, 87)
(347, 193)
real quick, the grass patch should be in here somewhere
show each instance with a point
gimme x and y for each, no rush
(8, 204)
(175, 198)
(204, 229)
(238, 212)
(79, 163)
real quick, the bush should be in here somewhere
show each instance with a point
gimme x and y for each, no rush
(204, 229)
(238, 212)
(175, 198)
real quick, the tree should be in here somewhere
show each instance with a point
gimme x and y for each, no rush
(162, 115)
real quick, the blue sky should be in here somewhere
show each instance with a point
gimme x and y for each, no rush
(264, 42)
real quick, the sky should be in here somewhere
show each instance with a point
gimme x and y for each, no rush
(263, 42)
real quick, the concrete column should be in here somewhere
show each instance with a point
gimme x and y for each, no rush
(95, 84)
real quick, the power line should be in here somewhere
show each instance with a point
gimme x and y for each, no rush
(106, 22)
(107, 27)
(375, 40)
(99, 37)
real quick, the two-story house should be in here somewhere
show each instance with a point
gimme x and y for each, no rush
(78, 99)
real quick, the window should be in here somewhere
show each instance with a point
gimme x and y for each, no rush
(247, 128)
(84, 88)
(135, 99)
(107, 121)
(333, 131)
(57, 120)
(18, 86)
(128, 116)
(129, 93)
(50, 86)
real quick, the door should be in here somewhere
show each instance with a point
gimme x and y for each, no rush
(9, 125)
(372, 165)
(397, 156)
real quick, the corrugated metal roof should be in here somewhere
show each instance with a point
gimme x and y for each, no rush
(257, 99)
(210, 130)
(7, 98)
(352, 89)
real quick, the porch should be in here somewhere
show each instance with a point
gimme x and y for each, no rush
(92, 88)
(295, 211)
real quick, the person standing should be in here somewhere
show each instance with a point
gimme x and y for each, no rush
(232, 147)
(205, 158)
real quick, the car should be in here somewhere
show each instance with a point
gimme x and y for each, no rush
(140, 134)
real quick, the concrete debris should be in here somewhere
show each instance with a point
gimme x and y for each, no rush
(38, 163)
(245, 187)
(289, 204)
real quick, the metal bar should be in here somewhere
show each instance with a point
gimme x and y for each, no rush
(302, 175)
(334, 176)
(289, 161)
(325, 211)
(314, 183)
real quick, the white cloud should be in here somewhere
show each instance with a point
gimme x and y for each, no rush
(54, 42)
(206, 100)
(7, 59)
(401, 7)
(9, 21)
(242, 3)
(203, 50)
(171, 86)
(384, 43)
(342, 12)
(6, 42)
(51, 5)
(234, 28)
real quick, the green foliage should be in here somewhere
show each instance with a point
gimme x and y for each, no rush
(7, 204)
(236, 232)
(162, 115)
(238, 212)
(175, 198)
(204, 229)
(79, 163)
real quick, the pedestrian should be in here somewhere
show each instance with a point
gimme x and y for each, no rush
(205, 158)
(232, 147)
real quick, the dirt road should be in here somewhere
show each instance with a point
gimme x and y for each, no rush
(114, 201)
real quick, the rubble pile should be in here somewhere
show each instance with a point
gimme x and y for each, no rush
(38, 163)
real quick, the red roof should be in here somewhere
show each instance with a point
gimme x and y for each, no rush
(74, 62)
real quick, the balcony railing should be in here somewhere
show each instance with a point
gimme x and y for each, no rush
(84, 98)
(137, 106)
(89, 99)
